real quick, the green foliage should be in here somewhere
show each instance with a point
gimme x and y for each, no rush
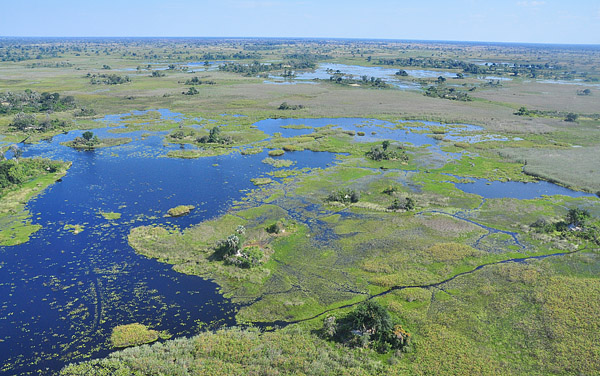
(406, 204)
(384, 153)
(345, 196)
(13, 172)
(286, 106)
(108, 79)
(273, 228)
(198, 81)
(32, 101)
(572, 117)
(292, 351)
(447, 93)
(214, 137)
(191, 91)
(180, 210)
(132, 335)
(369, 325)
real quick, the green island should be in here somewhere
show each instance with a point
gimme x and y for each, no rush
(361, 207)
(21, 179)
(89, 141)
(132, 335)
(180, 210)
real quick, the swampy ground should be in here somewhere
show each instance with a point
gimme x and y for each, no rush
(479, 289)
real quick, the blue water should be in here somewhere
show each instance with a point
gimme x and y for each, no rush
(62, 293)
(515, 189)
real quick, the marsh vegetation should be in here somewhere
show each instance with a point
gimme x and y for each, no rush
(345, 229)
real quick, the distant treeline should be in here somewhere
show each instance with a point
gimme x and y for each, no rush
(107, 79)
(257, 67)
(32, 101)
(546, 70)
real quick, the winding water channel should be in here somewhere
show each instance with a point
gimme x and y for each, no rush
(61, 293)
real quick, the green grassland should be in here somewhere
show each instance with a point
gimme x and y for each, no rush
(15, 221)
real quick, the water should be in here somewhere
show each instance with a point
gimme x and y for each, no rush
(325, 70)
(515, 189)
(62, 293)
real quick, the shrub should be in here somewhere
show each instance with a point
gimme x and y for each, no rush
(344, 196)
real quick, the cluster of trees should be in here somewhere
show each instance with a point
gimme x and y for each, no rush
(369, 325)
(256, 67)
(435, 63)
(545, 70)
(384, 153)
(364, 81)
(17, 171)
(584, 92)
(577, 223)
(108, 79)
(214, 137)
(191, 91)
(406, 204)
(157, 74)
(286, 106)
(233, 252)
(345, 196)
(198, 81)
(567, 116)
(28, 122)
(87, 139)
(32, 101)
(447, 93)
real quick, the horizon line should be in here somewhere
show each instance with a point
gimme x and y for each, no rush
(300, 38)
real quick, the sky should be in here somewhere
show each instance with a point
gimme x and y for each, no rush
(523, 21)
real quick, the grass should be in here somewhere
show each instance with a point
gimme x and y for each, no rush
(235, 351)
(110, 215)
(104, 143)
(180, 210)
(15, 220)
(132, 335)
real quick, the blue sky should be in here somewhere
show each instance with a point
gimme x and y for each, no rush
(535, 21)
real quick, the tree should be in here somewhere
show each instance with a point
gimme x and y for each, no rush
(385, 144)
(522, 111)
(578, 217)
(17, 152)
(441, 80)
(22, 121)
(571, 117)
(88, 136)
(371, 317)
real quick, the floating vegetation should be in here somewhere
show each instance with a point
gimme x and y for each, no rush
(132, 335)
(276, 153)
(251, 151)
(278, 163)
(75, 229)
(180, 210)
(110, 215)
(261, 181)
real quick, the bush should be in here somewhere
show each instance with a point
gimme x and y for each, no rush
(344, 196)
(369, 325)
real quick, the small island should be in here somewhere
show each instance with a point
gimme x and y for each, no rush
(89, 141)
(132, 335)
(180, 210)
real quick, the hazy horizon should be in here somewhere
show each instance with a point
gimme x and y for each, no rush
(487, 21)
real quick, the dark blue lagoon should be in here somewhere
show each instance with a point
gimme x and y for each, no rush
(61, 293)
